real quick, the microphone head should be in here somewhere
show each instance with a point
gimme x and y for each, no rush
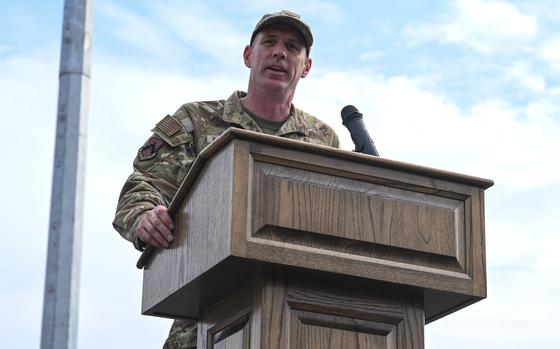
(349, 113)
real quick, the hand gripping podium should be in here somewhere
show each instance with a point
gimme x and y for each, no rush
(285, 244)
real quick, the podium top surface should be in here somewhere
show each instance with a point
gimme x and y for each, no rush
(286, 143)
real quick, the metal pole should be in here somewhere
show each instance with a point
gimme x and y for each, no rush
(60, 305)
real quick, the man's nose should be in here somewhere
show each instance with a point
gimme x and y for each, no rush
(279, 52)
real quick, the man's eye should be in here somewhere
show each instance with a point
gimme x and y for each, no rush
(292, 47)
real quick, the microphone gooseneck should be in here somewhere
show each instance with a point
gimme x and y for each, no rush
(353, 120)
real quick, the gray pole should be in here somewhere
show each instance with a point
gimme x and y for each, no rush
(60, 305)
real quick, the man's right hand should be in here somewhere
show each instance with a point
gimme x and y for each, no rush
(156, 227)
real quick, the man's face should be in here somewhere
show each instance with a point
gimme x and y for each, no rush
(277, 58)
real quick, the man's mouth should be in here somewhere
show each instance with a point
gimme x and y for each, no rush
(277, 69)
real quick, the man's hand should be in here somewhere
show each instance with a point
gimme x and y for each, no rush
(156, 227)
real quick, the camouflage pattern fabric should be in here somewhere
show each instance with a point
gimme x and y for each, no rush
(164, 160)
(181, 336)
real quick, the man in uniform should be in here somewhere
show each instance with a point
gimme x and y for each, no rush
(277, 56)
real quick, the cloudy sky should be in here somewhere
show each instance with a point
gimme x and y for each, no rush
(469, 86)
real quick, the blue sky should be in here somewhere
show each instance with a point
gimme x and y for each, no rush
(470, 86)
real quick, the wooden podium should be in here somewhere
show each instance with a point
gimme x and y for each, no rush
(285, 244)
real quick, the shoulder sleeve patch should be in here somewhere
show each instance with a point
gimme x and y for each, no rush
(149, 149)
(169, 125)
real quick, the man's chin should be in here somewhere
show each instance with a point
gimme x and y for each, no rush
(275, 84)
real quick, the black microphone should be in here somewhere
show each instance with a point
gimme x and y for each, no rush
(353, 120)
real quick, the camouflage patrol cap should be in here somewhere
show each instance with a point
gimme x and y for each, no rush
(286, 17)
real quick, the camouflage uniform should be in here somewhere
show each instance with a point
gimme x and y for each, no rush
(162, 164)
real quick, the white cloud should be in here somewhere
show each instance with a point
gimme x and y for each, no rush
(326, 11)
(205, 29)
(135, 30)
(543, 9)
(371, 56)
(550, 52)
(482, 25)
(499, 19)
(174, 28)
(525, 76)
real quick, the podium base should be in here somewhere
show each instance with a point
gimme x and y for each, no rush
(279, 310)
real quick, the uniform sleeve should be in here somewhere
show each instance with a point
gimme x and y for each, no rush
(159, 169)
(335, 143)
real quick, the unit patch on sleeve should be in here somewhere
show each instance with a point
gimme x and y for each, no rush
(149, 150)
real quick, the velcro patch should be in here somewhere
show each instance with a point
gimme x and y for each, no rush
(169, 125)
(149, 150)
(187, 122)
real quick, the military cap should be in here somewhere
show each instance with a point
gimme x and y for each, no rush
(286, 17)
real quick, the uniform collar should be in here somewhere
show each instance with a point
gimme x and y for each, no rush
(234, 114)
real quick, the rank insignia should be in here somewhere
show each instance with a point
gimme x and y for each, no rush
(149, 150)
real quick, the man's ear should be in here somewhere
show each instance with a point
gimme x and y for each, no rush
(247, 52)
(307, 67)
